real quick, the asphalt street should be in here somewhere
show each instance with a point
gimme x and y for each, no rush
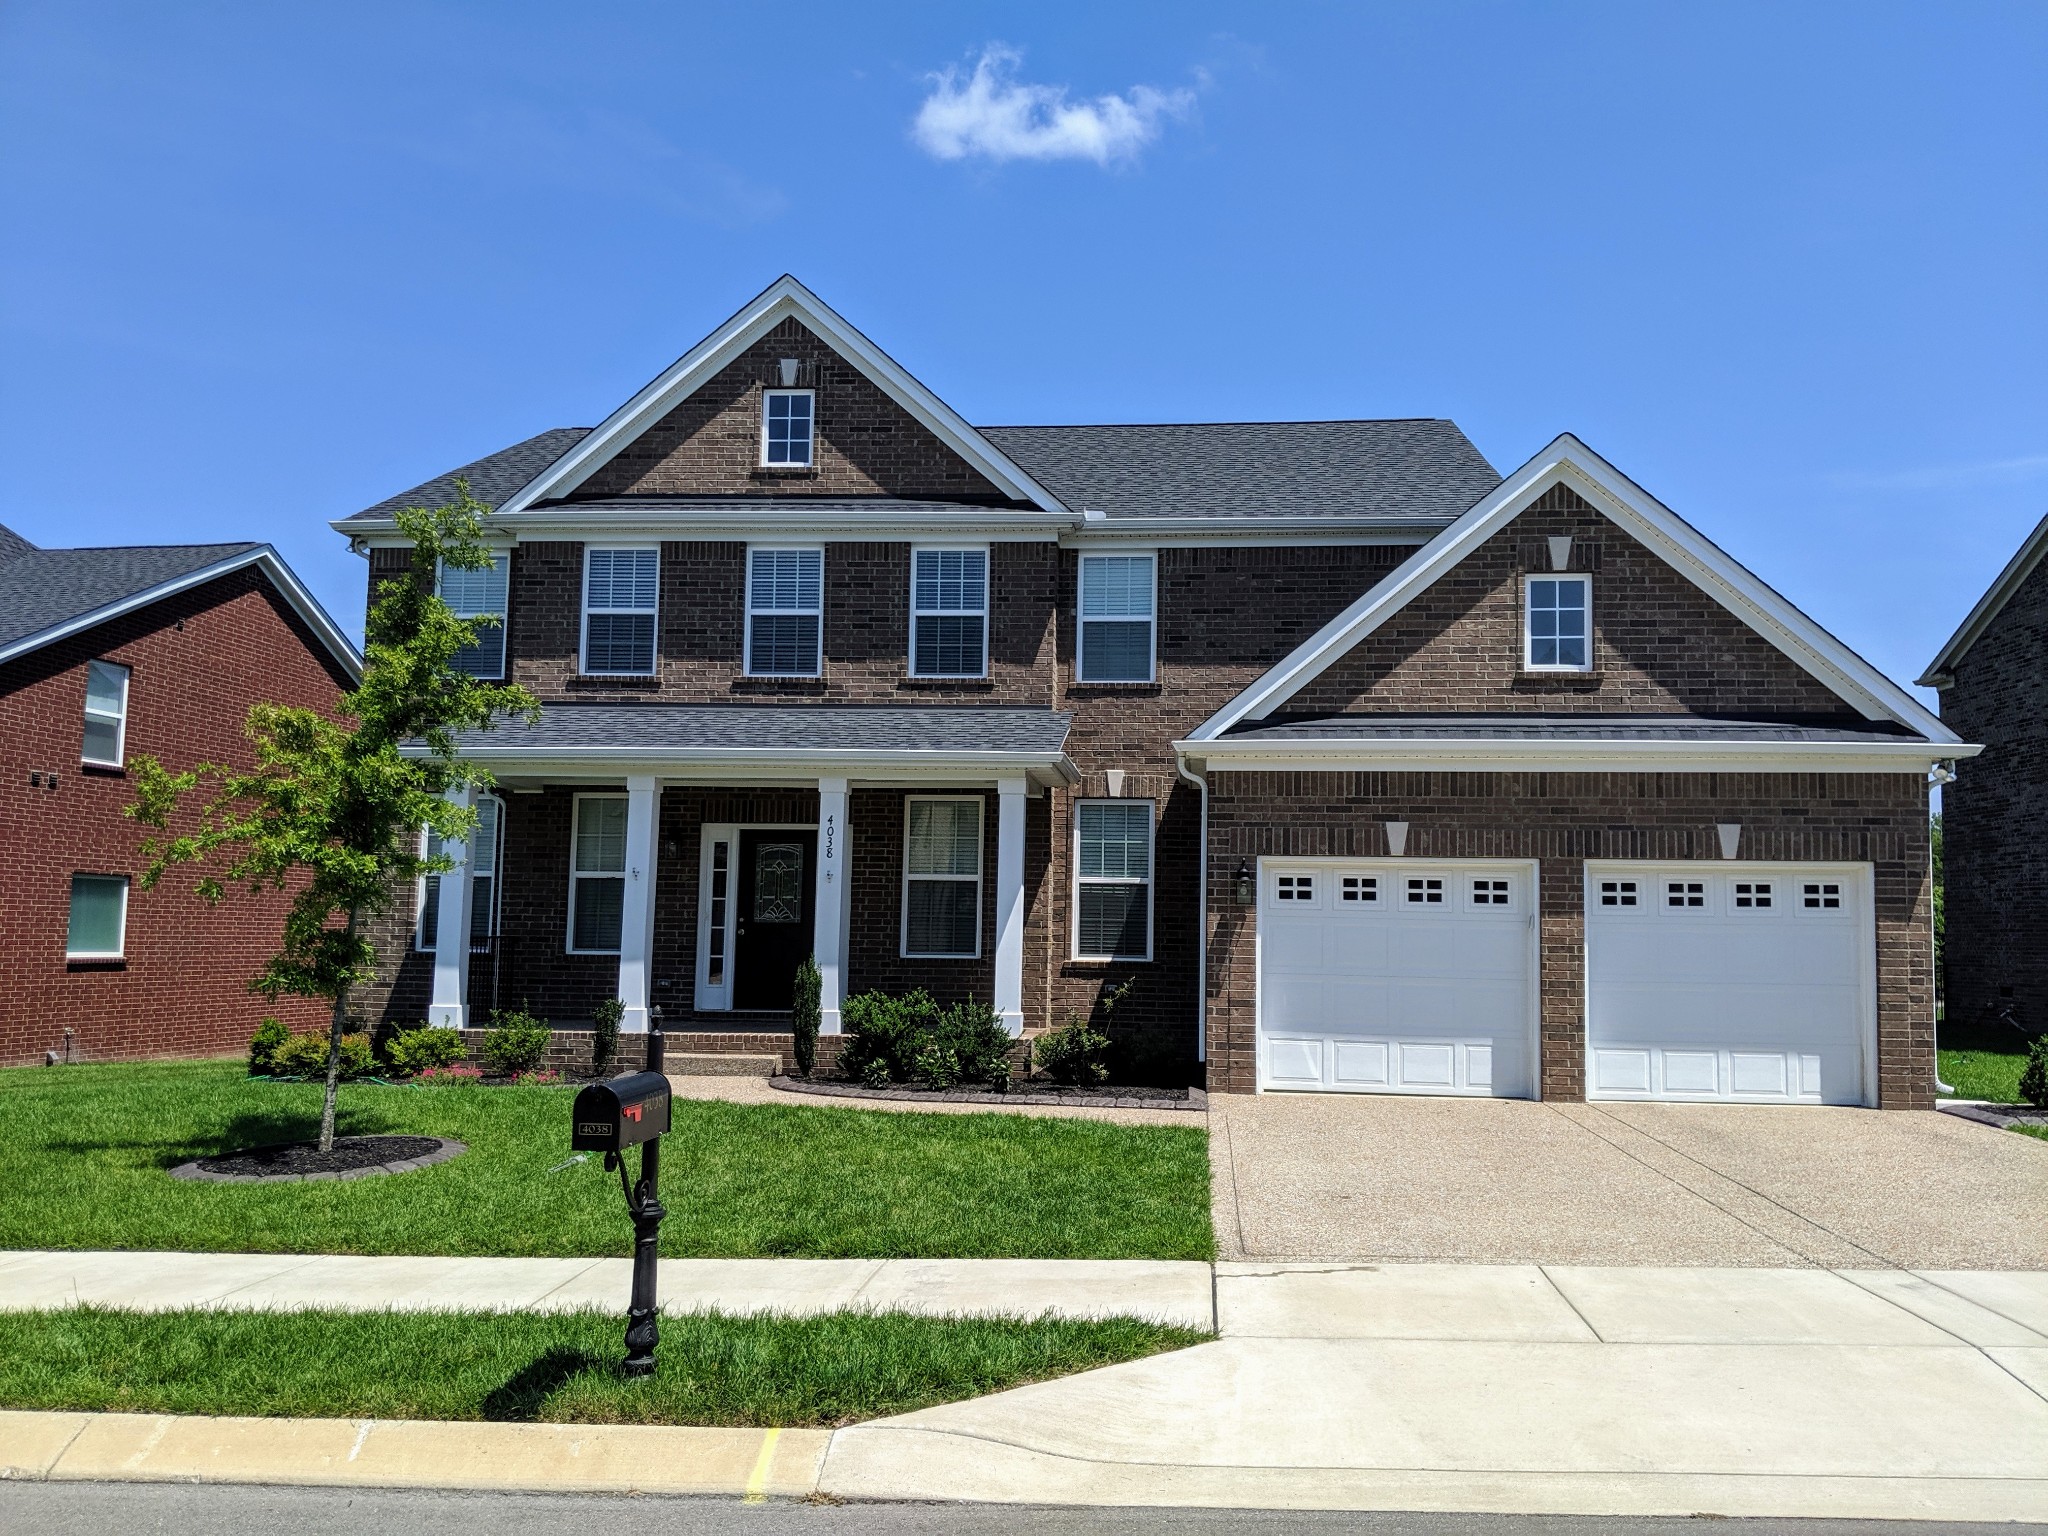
(183, 1509)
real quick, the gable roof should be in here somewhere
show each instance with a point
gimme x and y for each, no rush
(1570, 462)
(1402, 471)
(47, 594)
(492, 478)
(781, 300)
(1990, 605)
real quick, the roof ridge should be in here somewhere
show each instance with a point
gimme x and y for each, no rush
(1279, 421)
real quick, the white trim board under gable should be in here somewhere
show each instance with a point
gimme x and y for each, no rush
(1990, 605)
(1570, 462)
(783, 299)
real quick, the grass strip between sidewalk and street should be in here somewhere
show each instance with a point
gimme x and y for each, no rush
(549, 1367)
(86, 1153)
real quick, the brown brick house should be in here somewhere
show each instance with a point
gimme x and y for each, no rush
(106, 654)
(1322, 736)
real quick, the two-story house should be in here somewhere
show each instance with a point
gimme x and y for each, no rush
(1366, 768)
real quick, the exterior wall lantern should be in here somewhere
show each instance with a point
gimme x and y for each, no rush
(1247, 883)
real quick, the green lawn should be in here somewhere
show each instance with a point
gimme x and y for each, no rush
(712, 1369)
(1993, 1075)
(84, 1154)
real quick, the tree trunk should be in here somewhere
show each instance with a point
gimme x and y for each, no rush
(334, 1031)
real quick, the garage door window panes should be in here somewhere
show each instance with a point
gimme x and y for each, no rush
(1426, 893)
(1685, 893)
(597, 885)
(1114, 901)
(1752, 895)
(1825, 896)
(942, 879)
(1617, 893)
(1295, 888)
(1489, 893)
(1359, 889)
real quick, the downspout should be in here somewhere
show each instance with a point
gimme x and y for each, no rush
(1201, 783)
(1938, 775)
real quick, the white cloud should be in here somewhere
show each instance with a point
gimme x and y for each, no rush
(998, 117)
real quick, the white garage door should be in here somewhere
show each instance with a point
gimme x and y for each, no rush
(1397, 977)
(1731, 982)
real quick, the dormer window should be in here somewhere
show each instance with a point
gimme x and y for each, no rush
(1557, 624)
(786, 428)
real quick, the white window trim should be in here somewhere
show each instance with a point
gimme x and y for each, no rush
(980, 871)
(809, 463)
(120, 949)
(1081, 620)
(583, 643)
(1528, 638)
(987, 603)
(747, 619)
(120, 757)
(1150, 882)
(576, 878)
(422, 941)
(503, 616)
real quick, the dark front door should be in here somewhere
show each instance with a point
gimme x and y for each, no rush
(778, 902)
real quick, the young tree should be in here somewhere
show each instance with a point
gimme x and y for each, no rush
(332, 809)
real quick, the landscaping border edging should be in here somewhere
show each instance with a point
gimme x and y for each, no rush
(447, 1149)
(1196, 1102)
(2004, 1116)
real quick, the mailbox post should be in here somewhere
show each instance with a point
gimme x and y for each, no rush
(611, 1117)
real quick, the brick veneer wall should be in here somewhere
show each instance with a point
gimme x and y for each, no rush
(199, 659)
(1562, 820)
(569, 1051)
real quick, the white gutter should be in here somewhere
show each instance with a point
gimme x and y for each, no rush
(1180, 763)
(780, 521)
(1491, 754)
(737, 761)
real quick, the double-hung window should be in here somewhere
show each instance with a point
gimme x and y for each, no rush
(483, 881)
(1113, 867)
(948, 612)
(786, 428)
(942, 878)
(785, 611)
(597, 874)
(1557, 624)
(619, 590)
(99, 918)
(479, 595)
(106, 714)
(1116, 619)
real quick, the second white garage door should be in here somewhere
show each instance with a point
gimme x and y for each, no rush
(1397, 977)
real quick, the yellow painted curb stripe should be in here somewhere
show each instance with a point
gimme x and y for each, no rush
(757, 1480)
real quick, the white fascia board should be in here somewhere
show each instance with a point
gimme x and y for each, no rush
(1636, 512)
(747, 764)
(263, 556)
(1990, 605)
(782, 299)
(1493, 755)
(1252, 530)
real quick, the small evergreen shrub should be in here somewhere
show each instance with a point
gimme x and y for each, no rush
(2034, 1075)
(973, 1032)
(306, 1056)
(1075, 1053)
(604, 1035)
(517, 1042)
(412, 1051)
(912, 1039)
(804, 1016)
(270, 1037)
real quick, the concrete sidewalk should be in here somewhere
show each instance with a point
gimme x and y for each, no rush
(1178, 1293)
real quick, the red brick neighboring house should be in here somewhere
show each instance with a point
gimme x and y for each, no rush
(1352, 765)
(106, 654)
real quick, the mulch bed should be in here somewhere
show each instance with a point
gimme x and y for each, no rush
(1112, 1097)
(353, 1157)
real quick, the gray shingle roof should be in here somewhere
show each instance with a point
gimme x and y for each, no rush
(43, 588)
(491, 478)
(936, 729)
(1399, 470)
(12, 545)
(1552, 728)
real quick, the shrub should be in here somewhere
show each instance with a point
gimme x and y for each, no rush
(804, 1015)
(604, 1035)
(1074, 1053)
(264, 1045)
(888, 1031)
(517, 1042)
(306, 1056)
(2034, 1076)
(875, 1073)
(938, 1067)
(973, 1032)
(412, 1051)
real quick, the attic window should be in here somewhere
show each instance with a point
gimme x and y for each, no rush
(786, 428)
(1556, 624)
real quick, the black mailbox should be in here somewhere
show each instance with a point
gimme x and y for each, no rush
(621, 1112)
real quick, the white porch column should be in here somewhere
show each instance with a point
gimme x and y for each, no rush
(636, 922)
(1010, 903)
(828, 942)
(450, 1007)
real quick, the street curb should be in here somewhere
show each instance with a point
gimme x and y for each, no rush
(397, 1453)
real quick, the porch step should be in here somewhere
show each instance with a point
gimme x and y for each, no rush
(719, 1064)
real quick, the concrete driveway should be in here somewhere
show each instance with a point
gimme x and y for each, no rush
(1508, 1181)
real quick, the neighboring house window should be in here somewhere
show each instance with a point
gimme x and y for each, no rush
(478, 594)
(619, 587)
(785, 611)
(1113, 906)
(597, 880)
(786, 428)
(1116, 619)
(948, 612)
(1558, 624)
(106, 713)
(99, 917)
(942, 878)
(483, 867)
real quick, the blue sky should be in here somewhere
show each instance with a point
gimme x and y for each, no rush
(1785, 265)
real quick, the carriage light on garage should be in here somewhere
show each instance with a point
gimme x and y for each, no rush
(1247, 884)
